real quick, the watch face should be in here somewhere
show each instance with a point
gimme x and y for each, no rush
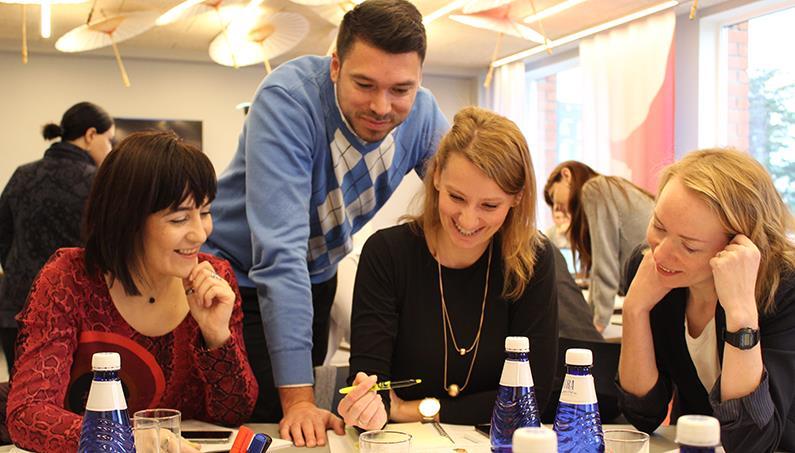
(429, 407)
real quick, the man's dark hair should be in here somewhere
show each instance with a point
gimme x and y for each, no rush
(146, 173)
(394, 26)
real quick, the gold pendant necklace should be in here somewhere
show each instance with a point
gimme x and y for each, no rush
(453, 389)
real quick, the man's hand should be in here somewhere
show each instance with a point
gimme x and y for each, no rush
(304, 423)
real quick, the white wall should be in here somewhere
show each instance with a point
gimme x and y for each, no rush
(39, 92)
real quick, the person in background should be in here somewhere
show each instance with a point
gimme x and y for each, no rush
(608, 219)
(325, 144)
(142, 289)
(710, 314)
(558, 232)
(42, 206)
(435, 298)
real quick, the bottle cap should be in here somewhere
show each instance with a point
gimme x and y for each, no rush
(106, 361)
(535, 440)
(698, 431)
(517, 344)
(579, 357)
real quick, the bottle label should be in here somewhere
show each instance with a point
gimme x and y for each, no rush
(516, 374)
(578, 390)
(105, 396)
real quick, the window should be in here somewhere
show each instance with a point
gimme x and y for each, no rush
(756, 93)
(555, 122)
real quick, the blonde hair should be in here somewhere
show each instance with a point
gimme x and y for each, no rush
(741, 193)
(496, 146)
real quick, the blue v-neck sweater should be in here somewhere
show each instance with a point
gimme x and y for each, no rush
(299, 186)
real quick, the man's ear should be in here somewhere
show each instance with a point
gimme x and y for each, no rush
(336, 65)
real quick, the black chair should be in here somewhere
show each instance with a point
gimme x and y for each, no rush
(604, 371)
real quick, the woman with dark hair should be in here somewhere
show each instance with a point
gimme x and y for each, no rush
(42, 205)
(142, 289)
(435, 298)
(608, 220)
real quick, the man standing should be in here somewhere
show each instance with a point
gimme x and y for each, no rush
(325, 144)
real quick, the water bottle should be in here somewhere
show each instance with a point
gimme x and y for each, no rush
(697, 434)
(106, 423)
(577, 421)
(516, 405)
(535, 440)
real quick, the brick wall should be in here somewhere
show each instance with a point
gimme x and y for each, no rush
(737, 130)
(547, 122)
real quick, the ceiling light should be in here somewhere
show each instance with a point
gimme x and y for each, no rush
(443, 11)
(585, 33)
(46, 13)
(552, 10)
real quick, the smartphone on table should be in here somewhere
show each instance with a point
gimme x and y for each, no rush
(208, 436)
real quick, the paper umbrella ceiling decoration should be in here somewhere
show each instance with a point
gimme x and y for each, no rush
(107, 32)
(258, 38)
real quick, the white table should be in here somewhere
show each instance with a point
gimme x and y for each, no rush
(661, 441)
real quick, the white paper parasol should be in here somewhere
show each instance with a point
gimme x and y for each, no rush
(107, 32)
(259, 38)
(192, 8)
(476, 6)
(499, 20)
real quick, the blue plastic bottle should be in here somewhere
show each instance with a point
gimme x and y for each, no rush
(106, 423)
(697, 434)
(516, 405)
(577, 421)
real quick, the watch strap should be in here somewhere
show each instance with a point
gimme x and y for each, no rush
(743, 339)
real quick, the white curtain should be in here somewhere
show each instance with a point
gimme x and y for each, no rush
(627, 77)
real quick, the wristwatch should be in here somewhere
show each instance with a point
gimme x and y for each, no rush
(429, 407)
(744, 339)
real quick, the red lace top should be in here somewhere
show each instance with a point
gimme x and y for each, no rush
(70, 315)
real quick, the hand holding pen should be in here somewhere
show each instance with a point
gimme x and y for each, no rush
(362, 406)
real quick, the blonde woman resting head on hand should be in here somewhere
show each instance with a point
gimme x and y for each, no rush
(709, 317)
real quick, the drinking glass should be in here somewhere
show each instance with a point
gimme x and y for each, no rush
(147, 435)
(626, 441)
(169, 421)
(384, 442)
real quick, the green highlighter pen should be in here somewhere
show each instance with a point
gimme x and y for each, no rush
(385, 385)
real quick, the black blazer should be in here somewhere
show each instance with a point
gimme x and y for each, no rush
(761, 421)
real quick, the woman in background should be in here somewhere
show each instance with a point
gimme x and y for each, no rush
(42, 206)
(142, 289)
(710, 315)
(435, 298)
(608, 220)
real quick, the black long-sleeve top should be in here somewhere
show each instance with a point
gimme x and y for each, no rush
(396, 325)
(762, 421)
(40, 211)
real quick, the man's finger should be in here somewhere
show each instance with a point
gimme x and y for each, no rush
(320, 430)
(337, 424)
(308, 431)
(297, 434)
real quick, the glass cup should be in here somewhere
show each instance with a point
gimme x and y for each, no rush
(626, 441)
(169, 421)
(384, 442)
(147, 435)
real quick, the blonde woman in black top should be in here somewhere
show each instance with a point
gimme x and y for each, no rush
(435, 298)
